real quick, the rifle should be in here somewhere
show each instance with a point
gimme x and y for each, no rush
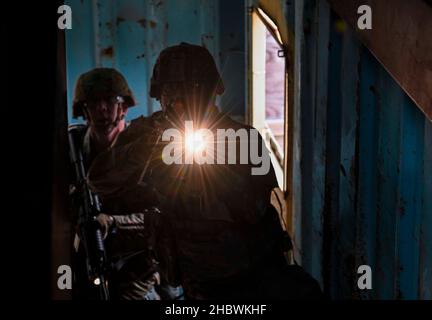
(89, 230)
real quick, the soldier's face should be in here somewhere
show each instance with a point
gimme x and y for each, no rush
(103, 115)
(173, 98)
(184, 99)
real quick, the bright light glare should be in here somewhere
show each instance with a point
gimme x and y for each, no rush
(195, 142)
(96, 281)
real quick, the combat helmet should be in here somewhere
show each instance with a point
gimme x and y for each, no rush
(185, 63)
(100, 83)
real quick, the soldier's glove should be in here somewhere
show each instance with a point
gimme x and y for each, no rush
(106, 222)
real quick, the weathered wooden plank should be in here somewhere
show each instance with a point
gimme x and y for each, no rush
(347, 163)
(299, 56)
(367, 151)
(314, 114)
(319, 128)
(331, 251)
(400, 39)
(387, 93)
(410, 204)
(307, 119)
(425, 276)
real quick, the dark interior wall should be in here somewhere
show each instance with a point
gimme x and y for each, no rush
(366, 167)
(403, 27)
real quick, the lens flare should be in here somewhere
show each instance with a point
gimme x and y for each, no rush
(195, 142)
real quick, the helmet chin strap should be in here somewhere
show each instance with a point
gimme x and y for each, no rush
(120, 115)
(117, 120)
(113, 124)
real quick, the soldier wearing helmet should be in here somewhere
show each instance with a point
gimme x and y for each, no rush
(102, 97)
(223, 238)
(185, 80)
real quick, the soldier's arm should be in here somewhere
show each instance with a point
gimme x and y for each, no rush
(249, 194)
(136, 222)
(133, 232)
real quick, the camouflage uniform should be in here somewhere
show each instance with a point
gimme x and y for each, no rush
(129, 243)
